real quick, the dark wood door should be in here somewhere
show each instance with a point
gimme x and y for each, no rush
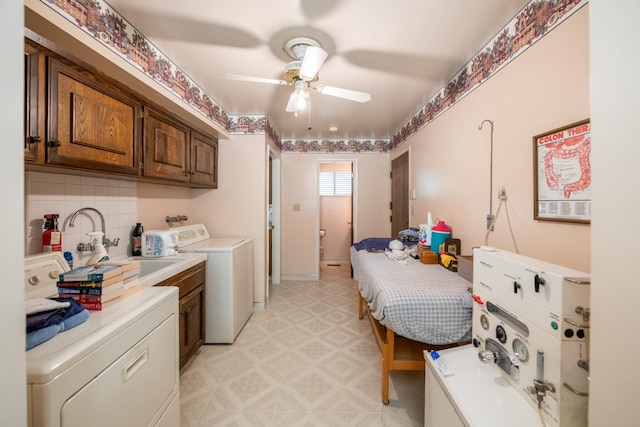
(91, 125)
(166, 147)
(204, 160)
(399, 194)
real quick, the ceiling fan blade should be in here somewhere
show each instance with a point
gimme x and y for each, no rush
(313, 59)
(291, 105)
(255, 79)
(351, 95)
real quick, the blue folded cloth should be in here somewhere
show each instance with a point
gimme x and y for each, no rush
(41, 335)
(44, 319)
(75, 320)
(74, 307)
(57, 322)
(372, 243)
(55, 316)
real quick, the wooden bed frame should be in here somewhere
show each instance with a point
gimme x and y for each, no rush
(398, 353)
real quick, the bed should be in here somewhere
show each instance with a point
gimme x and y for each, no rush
(411, 306)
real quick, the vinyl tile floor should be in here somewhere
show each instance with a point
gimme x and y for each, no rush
(305, 360)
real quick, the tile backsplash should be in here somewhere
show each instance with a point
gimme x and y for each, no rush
(47, 193)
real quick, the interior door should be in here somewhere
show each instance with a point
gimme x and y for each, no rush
(399, 194)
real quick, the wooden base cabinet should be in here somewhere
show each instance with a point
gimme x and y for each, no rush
(191, 285)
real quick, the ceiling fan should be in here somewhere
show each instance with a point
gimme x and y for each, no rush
(302, 73)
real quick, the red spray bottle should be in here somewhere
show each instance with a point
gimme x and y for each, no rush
(51, 237)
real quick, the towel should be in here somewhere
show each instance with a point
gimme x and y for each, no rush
(55, 316)
(41, 335)
(52, 322)
(75, 320)
(38, 305)
(44, 319)
(446, 259)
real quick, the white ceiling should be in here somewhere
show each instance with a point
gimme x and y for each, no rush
(400, 52)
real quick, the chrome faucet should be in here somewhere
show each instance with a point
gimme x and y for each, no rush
(106, 242)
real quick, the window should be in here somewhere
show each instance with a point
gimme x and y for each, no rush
(335, 183)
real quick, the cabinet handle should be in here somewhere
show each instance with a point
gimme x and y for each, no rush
(54, 144)
(132, 367)
(34, 139)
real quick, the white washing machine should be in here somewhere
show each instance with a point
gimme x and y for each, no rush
(228, 280)
(119, 368)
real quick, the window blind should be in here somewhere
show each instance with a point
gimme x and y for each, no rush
(335, 183)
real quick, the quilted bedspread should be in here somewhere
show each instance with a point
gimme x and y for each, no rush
(422, 302)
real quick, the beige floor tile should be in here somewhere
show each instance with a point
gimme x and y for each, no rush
(305, 360)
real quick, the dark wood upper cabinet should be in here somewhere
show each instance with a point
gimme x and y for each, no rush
(166, 147)
(174, 152)
(78, 120)
(90, 125)
(33, 84)
(204, 160)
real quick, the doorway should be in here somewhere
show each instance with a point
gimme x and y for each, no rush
(336, 212)
(273, 220)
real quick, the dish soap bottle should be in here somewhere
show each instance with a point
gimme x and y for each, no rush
(51, 237)
(99, 251)
(136, 240)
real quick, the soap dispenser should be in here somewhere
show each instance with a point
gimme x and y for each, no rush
(99, 251)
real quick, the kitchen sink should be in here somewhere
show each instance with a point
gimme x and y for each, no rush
(151, 265)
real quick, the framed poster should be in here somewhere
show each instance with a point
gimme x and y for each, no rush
(562, 174)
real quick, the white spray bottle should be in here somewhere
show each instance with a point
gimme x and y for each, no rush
(429, 227)
(99, 251)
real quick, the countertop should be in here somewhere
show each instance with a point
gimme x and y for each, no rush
(182, 262)
(480, 393)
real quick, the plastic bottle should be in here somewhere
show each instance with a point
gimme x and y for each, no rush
(68, 256)
(99, 251)
(51, 237)
(136, 240)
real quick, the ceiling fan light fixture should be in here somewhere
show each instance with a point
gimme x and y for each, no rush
(301, 102)
(301, 89)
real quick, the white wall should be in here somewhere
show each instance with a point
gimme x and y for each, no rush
(12, 317)
(615, 104)
(546, 87)
(156, 202)
(238, 207)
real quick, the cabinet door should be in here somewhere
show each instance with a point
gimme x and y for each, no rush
(204, 160)
(91, 126)
(191, 324)
(34, 128)
(166, 147)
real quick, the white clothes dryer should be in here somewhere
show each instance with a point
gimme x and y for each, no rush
(119, 368)
(228, 281)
